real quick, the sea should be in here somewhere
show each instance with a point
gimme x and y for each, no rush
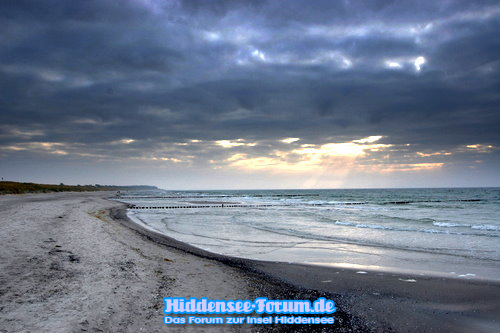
(446, 232)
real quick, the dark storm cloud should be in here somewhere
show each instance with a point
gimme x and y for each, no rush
(87, 74)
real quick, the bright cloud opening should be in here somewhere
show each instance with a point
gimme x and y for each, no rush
(419, 62)
(124, 141)
(259, 55)
(290, 140)
(235, 143)
(369, 139)
(392, 64)
(480, 148)
(308, 157)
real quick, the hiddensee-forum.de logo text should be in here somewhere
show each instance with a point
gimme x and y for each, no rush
(261, 305)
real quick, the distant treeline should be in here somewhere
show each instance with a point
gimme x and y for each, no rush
(16, 188)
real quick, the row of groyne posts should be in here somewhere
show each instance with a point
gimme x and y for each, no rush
(132, 206)
(201, 206)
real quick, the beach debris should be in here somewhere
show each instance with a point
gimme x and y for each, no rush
(55, 250)
(326, 281)
(408, 280)
(167, 260)
(126, 265)
(361, 272)
(74, 258)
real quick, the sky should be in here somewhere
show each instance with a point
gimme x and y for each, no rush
(251, 94)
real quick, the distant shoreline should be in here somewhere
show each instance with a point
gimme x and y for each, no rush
(9, 187)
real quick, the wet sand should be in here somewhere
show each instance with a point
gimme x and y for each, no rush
(73, 262)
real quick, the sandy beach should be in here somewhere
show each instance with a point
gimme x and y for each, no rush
(73, 262)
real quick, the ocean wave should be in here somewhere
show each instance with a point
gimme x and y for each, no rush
(423, 220)
(345, 223)
(374, 226)
(430, 231)
(486, 227)
(435, 231)
(317, 202)
(368, 226)
(333, 203)
(450, 225)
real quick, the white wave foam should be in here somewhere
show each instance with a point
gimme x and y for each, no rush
(408, 280)
(373, 226)
(367, 226)
(344, 223)
(487, 227)
(468, 275)
(449, 225)
(317, 202)
(434, 231)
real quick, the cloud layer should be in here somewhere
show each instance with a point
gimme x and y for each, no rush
(201, 87)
